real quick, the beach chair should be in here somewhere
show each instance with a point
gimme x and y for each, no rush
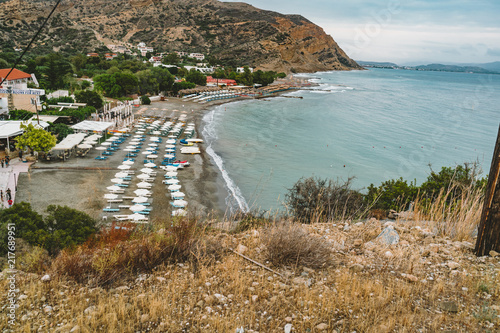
(101, 158)
(110, 210)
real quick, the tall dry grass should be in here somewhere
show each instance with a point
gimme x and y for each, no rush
(454, 215)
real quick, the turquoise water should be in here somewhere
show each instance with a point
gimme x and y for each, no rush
(374, 125)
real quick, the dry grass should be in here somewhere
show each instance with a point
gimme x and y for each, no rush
(289, 244)
(456, 217)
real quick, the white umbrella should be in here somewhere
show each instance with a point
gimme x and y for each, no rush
(117, 180)
(151, 148)
(179, 212)
(106, 144)
(146, 152)
(170, 141)
(144, 176)
(150, 165)
(100, 148)
(144, 185)
(142, 192)
(171, 168)
(137, 208)
(132, 147)
(113, 138)
(169, 146)
(174, 187)
(110, 196)
(171, 173)
(147, 170)
(154, 138)
(127, 162)
(169, 156)
(124, 167)
(121, 174)
(171, 181)
(137, 217)
(180, 202)
(153, 144)
(152, 156)
(139, 200)
(129, 149)
(138, 136)
(114, 188)
(178, 195)
(84, 146)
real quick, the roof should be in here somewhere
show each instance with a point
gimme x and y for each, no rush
(46, 118)
(89, 125)
(70, 141)
(10, 128)
(15, 75)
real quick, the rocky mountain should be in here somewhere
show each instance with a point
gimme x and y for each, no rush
(235, 33)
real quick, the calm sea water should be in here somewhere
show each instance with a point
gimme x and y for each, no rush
(374, 125)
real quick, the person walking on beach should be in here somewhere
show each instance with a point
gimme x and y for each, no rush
(7, 160)
(9, 203)
(8, 195)
(3, 162)
(1, 195)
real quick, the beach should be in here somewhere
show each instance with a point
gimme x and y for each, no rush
(81, 183)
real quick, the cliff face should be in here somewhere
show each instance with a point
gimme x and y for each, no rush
(236, 33)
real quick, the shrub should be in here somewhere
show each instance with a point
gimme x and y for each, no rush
(291, 245)
(20, 115)
(145, 100)
(314, 199)
(251, 220)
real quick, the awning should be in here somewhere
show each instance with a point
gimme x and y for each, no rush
(96, 126)
(70, 141)
(11, 128)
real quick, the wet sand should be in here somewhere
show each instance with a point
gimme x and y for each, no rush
(80, 182)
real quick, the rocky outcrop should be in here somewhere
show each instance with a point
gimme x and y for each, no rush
(235, 33)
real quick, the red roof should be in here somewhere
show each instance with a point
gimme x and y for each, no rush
(15, 75)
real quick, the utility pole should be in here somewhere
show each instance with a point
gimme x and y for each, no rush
(488, 236)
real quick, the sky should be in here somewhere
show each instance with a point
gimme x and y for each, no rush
(406, 32)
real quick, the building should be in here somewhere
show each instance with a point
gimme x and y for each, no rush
(181, 53)
(92, 54)
(15, 90)
(242, 69)
(220, 82)
(197, 56)
(110, 56)
(144, 49)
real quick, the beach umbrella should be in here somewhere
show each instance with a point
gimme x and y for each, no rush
(156, 132)
(177, 194)
(139, 200)
(113, 138)
(170, 141)
(174, 187)
(180, 202)
(137, 217)
(100, 148)
(84, 146)
(121, 174)
(106, 143)
(151, 148)
(152, 156)
(146, 152)
(179, 212)
(171, 181)
(153, 144)
(128, 162)
(137, 136)
(144, 185)
(171, 173)
(170, 168)
(169, 156)
(142, 192)
(89, 142)
(124, 167)
(114, 188)
(154, 138)
(117, 180)
(129, 149)
(110, 196)
(170, 146)
(150, 165)
(147, 170)
(136, 208)
(144, 176)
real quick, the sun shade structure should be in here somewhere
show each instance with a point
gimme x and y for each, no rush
(70, 141)
(9, 129)
(94, 126)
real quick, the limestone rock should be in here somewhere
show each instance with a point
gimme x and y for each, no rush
(241, 249)
(388, 236)
(288, 328)
(321, 327)
(45, 278)
(494, 253)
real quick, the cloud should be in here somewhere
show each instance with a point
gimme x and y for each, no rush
(493, 52)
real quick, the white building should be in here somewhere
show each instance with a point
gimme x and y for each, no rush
(15, 90)
(242, 69)
(144, 49)
(197, 56)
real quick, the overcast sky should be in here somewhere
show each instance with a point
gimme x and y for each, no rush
(404, 31)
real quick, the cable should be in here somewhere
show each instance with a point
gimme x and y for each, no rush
(31, 42)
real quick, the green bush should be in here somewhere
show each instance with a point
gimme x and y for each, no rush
(20, 115)
(145, 100)
(311, 200)
(60, 130)
(61, 228)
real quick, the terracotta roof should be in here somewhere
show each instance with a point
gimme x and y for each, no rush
(15, 75)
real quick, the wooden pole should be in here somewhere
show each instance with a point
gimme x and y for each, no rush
(488, 236)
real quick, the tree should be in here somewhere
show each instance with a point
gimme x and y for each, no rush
(264, 78)
(147, 82)
(171, 59)
(36, 139)
(145, 100)
(182, 85)
(164, 78)
(92, 98)
(20, 115)
(196, 77)
(60, 130)
(246, 77)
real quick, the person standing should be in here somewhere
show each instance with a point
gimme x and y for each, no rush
(8, 196)
(1, 195)
(2, 162)
(7, 160)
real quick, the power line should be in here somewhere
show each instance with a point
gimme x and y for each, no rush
(31, 42)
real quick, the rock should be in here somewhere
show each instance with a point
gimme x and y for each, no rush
(494, 254)
(220, 298)
(452, 265)
(200, 303)
(388, 236)
(144, 318)
(288, 328)
(388, 254)
(91, 309)
(357, 268)
(358, 242)
(411, 278)
(43, 299)
(121, 288)
(392, 214)
(75, 329)
(255, 298)
(23, 297)
(449, 306)
(47, 309)
(45, 278)
(241, 249)
(321, 327)
(288, 319)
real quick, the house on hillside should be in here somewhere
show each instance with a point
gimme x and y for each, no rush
(93, 54)
(15, 90)
(242, 69)
(110, 56)
(144, 49)
(197, 56)
(181, 53)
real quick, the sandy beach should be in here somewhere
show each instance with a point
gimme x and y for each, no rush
(80, 182)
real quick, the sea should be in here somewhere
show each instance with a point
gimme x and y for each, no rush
(366, 125)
